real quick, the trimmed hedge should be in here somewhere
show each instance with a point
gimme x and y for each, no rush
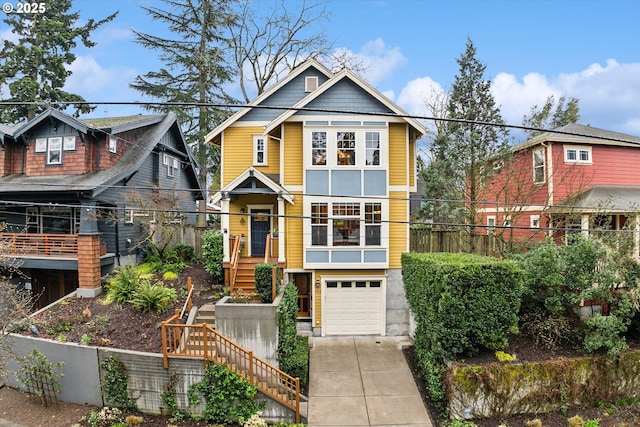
(461, 303)
(262, 275)
(293, 350)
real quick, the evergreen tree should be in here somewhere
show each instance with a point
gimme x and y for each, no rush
(542, 118)
(474, 135)
(33, 67)
(196, 70)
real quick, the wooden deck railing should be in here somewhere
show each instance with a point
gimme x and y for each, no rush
(235, 257)
(180, 340)
(188, 304)
(27, 244)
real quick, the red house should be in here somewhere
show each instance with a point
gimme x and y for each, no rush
(573, 178)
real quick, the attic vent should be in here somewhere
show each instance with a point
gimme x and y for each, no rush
(310, 84)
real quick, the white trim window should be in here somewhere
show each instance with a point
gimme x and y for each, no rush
(346, 224)
(372, 148)
(534, 221)
(577, 154)
(319, 224)
(346, 148)
(310, 83)
(539, 167)
(113, 144)
(41, 145)
(172, 164)
(69, 143)
(491, 224)
(259, 150)
(319, 148)
(54, 151)
(373, 224)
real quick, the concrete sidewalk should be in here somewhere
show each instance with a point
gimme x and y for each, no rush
(363, 381)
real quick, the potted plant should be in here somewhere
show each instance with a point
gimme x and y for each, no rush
(274, 233)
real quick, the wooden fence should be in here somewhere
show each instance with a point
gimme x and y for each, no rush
(429, 240)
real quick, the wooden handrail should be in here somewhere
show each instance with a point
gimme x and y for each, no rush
(180, 340)
(188, 304)
(235, 256)
(267, 249)
(41, 244)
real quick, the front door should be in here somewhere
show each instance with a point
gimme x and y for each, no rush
(260, 222)
(303, 283)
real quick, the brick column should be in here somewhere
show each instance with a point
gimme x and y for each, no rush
(89, 284)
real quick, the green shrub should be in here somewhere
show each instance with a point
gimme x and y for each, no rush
(461, 303)
(153, 298)
(229, 398)
(185, 252)
(115, 380)
(212, 253)
(124, 284)
(264, 281)
(293, 350)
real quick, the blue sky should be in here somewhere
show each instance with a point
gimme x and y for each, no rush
(532, 49)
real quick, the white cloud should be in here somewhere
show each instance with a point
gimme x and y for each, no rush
(414, 96)
(379, 60)
(94, 82)
(607, 94)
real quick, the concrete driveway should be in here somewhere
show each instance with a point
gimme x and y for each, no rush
(363, 381)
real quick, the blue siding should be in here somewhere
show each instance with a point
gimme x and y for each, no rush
(346, 95)
(345, 183)
(287, 96)
(375, 183)
(317, 256)
(375, 256)
(346, 256)
(317, 182)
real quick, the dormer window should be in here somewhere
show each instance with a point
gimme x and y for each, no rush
(54, 151)
(171, 163)
(310, 83)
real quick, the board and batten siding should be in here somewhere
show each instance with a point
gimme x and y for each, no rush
(398, 154)
(293, 155)
(398, 227)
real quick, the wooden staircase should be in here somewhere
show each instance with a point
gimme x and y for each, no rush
(206, 314)
(245, 279)
(201, 340)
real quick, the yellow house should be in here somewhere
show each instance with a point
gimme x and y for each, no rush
(326, 163)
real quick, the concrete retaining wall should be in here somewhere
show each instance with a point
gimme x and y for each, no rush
(251, 326)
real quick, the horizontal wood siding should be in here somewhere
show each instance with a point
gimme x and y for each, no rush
(397, 154)
(293, 155)
(412, 163)
(398, 227)
(294, 234)
(238, 151)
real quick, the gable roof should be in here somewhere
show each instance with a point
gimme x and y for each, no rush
(333, 79)
(97, 182)
(577, 133)
(310, 63)
(342, 75)
(245, 183)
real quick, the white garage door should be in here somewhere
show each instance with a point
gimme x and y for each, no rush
(353, 308)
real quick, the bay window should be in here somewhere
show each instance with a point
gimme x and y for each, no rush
(319, 224)
(372, 223)
(319, 148)
(346, 148)
(341, 224)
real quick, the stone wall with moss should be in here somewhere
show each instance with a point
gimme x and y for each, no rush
(514, 388)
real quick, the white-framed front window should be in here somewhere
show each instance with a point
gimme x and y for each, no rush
(539, 169)
(346, 148)
(577, 154)
(259, 150)
(337, 224)
(54, 151)
(142, 215)
(534, 221)
(319, 148)
(491, 224)
(69, 143)
(372, 148)
(41, 145)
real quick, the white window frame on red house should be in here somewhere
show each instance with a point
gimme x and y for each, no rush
(491, 224)
(577, 154)
(534, 221)
(539, 166)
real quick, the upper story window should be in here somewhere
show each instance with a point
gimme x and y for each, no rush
(310, 83)
(54, 151)
(372, 148)
(259, 150)
(346, 224)
(491, 224)
(319, 148)
(346, 148)
(113, 144)
(534, 221)
(539, 169)
(172, 164)
(372, 223)
(319, 224)
(575, 154)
